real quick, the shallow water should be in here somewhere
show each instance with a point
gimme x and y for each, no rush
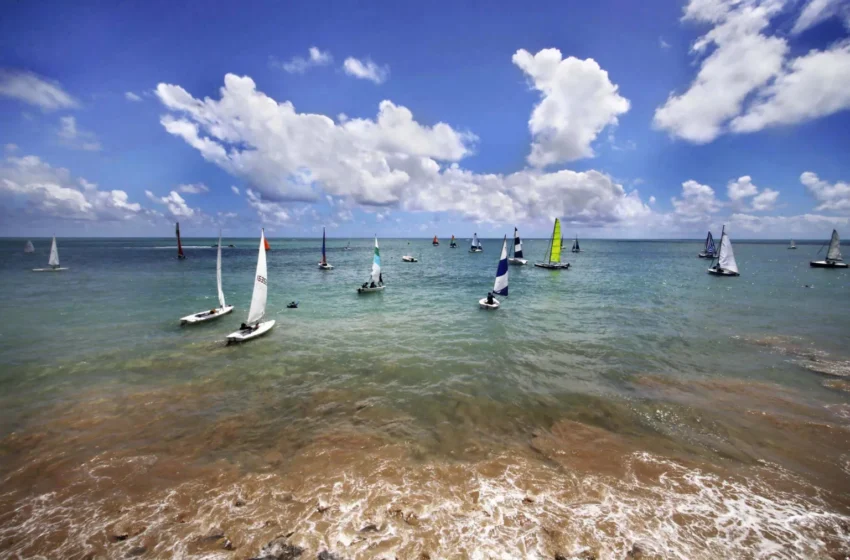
(633, 399)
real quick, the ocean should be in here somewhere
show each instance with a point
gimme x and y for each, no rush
(631, 406)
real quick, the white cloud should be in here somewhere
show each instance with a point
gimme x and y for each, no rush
(75, 138)
(10, 148)
(366, 70)
(786, 226)
(817, 11)
(299, 64)
(52, 192)
(34, 90)
(195, 188)
(652, 200)
(235, 189)
(175, 203)
(663, 44)
(831, 197)
(269, 212)
(130, 96)
(697, 203)
(578, 102)
(765, 200)
(743, 187)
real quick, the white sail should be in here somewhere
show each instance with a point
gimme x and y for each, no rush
(834, 252)
(258, 300)
(793, 245)
(726, 258)
(475, 242)
(28, 248)
(376, 264)
(218, 274)
(500, 287)
(54, 255)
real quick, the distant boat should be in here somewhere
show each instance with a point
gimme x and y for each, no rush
(266, 243)
(500, 287)
(255, 326)
(223, 308)
(576, 248)
(833, 255)
(376, 280)
(518, 257)
(553, 257)
(709, 250)
(28, 248)
(435, 242)
(726, 265)
(347, 246)
(54, 260)
(409, 258)
(476, 244)
(453, 243)
(180, 254)
(792, 245)
(323, 264)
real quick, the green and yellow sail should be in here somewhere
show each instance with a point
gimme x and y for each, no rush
(555, 252)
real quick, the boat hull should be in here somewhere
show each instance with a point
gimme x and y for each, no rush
(715, 272)
(57, 269)
(476, 250)
(514, 260)
(482, 303)
(407, 258)
(362, 290)
(553, 266)
(244, 335)
(705, 255)
(205, 316)
(325, 266)
(827, 264)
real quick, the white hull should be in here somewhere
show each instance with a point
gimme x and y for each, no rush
(484, 305)
(325, 266)
(705, 255)
(370, 290)
(205, 316)
(574, 251)
(243, 335)
(716, 272)
(514, 260)
(552, 266)
(408, 258)
(828, 264)
(57, 269)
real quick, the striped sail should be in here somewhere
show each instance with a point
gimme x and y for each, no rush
(834, 252)
(555, 252)
(709, 245)
(501, 285)
(376, 264)
(517, 245)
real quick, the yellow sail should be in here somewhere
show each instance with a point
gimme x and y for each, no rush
(555, 254)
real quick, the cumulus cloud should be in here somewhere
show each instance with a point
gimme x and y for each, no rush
(783, 226)
(577, 102)
(195, 188)
(366, 70)
(299, 64)
(269, 212)
(130, 96)
(746, 196)
(831, 197)
(35, 90)
(696, 204)
(175, 204)
(75, 138)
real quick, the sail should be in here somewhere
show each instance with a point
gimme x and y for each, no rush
(376, 264)
(517, 245)
(218, 273)
(576, 248)
(179, 245)
(266, 243)
(435, 240)
(475, 242)
(54, 254)
(258, 300)
(28, 248)
(726, 258)
(834, 252)
(793, 244)
(710, 249)
(501, 285)
(555, 252)
(324, 258)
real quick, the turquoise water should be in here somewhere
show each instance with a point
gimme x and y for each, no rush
(634, 339)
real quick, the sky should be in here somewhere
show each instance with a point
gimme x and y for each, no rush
(624, 119)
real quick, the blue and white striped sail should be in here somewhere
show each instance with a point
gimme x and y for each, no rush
(501, 285)
(376, 264)
(709, 245)
(517, 245)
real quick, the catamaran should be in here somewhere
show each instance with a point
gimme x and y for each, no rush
(255, 326)
(792, 245)
(453, 243)
(709, 252)
(476, 244)
(833, 255)
(409, 258)
(576, 248)
(28, 248)
(54, 260)
(180, 254)
(376, 280)
(517, 258)
(500, 287)
(726, 265)
(223, 308)
(323, 264)
(553, 261)
(435, 242)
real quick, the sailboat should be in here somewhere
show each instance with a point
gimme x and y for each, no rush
(376, 280)
(28, 248)
(223, 308)
(347, 246)
(266, 242)
(576, 248)
(453, 243)
(709, 252)
(553, 261)
(435, 242)
(255, 326)
(517, 258)
(180, 254)
(323, 264)
(833, 255)
(726, 265)
(54, 260)
(792, 245)
(409, 258)
(500, 287)
(476, 244)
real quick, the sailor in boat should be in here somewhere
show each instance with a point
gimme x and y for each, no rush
(718, 268)
(248, 328)
(490, 300)
(380, 278)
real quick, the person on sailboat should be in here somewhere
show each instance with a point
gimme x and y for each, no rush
(380, 278)
(490, 300)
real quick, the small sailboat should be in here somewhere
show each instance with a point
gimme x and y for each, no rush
(435, 242)
(376, 280)
(476, 244)
(28, 248)
(347, 246)
(553, 260)
(518, 257)
(409, 258)
(833, 254)
(266, 243)
(180, 254)
(223, 308)
(453, 243)
(255, 326)
(726, 265)
(500, 287)
(709, 252)
(576, 248)
(323, 264)
(54, 260)
(792, 245)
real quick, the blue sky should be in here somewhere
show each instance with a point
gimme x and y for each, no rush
(411, 120)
